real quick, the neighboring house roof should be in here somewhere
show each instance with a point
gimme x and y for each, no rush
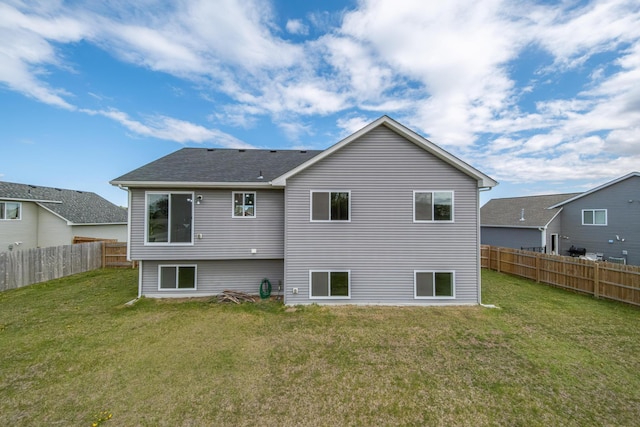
(593, 190)
(508, 212)
(483, 180)
(76, 207)
(215, 166)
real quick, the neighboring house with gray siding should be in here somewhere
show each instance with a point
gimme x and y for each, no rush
(604, 220)
(523, 222)
(382, 217)
(34, 216)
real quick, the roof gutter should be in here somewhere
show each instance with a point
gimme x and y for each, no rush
(182, 184)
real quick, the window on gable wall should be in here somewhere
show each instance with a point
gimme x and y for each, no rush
(169, 217)
(10, 210)
(330, 205)
(431, 206)
(594, 217)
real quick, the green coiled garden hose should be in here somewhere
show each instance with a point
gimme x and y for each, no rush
(265, 288)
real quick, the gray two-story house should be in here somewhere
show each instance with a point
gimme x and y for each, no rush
(604, 220)
(382, 217)
(602, 223)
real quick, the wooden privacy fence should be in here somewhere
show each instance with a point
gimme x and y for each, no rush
(601, 279)
(114, 254)
(26, 267)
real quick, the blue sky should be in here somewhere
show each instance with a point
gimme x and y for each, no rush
(542, 96)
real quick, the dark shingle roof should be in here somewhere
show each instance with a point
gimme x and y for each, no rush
(508, 211)
(78, 207)
(205, 165)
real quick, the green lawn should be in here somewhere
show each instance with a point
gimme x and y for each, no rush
(71, 354)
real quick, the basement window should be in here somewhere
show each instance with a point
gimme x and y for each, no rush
(330, 284)
(434, 284)
(176, 277)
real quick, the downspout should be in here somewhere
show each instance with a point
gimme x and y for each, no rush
(543, 231)
(479, 260)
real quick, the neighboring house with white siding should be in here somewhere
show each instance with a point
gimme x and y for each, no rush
(382, 217)
(34, 216)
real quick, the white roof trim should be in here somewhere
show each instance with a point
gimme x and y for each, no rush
(593, 190)
(483, 180)
(553, 218)
(14, 199)
(55, 213)
(532, 227)
(189, 184)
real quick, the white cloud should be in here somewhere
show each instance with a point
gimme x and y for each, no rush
(171, 129)
(446, 69)
(296, 26)
(26, 49)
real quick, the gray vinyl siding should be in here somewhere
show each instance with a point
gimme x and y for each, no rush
(623, 220)
(213, 277)
(381, 245)
(223, 237)
(510, 237)
(554, 227)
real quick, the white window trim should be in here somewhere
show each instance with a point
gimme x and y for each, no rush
(606, 217)
(328, 220)
(176, 289)
(5, 211)
(233, 204)
(453, 206)
(415, 284)
(146, 219)
(329, 271)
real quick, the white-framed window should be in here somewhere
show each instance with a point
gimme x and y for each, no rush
(432, 206)
(330, 284)
(330, 206)
(177, 277)
(434, 284)
(594, 217)
(10, 210)
(244, 204)
(169, 217)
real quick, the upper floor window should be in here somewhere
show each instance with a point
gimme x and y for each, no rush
(244, 204)
(330, 205)
(594, 217)
(169, 217)
(10, 210)
(429, 206)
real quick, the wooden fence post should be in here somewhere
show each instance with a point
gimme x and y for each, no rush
(104, 254)
(596, 280)
(538, 255)
(498, 260)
